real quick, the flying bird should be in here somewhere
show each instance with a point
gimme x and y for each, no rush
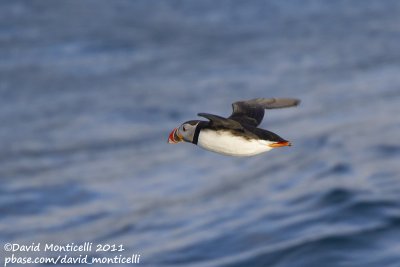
(237, 135)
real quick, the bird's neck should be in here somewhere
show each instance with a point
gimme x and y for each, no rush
(201, 125)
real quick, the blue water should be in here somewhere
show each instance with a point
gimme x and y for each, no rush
(89, 91)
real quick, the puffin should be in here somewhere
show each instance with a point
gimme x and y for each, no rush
(238, 135)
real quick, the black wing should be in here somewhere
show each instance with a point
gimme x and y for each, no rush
(217, 121)
(251, 112)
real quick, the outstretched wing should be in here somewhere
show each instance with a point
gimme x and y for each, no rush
(251, 112)
(217, 121)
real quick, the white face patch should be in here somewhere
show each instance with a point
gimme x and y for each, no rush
(187, 131)
(224, 142)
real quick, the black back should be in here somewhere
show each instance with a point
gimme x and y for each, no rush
(245, 118)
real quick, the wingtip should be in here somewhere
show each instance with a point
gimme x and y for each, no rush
(202, 114)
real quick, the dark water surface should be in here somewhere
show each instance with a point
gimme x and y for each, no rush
(89, 91)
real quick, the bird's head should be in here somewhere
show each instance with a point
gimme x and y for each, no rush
(185, 132)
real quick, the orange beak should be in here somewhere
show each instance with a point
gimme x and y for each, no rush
(175, 137)
(280, 144)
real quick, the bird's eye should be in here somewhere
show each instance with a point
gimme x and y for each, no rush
(184, 128)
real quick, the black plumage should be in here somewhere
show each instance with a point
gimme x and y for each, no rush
(246, 116)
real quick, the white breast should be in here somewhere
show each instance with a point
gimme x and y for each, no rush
(224, 142)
